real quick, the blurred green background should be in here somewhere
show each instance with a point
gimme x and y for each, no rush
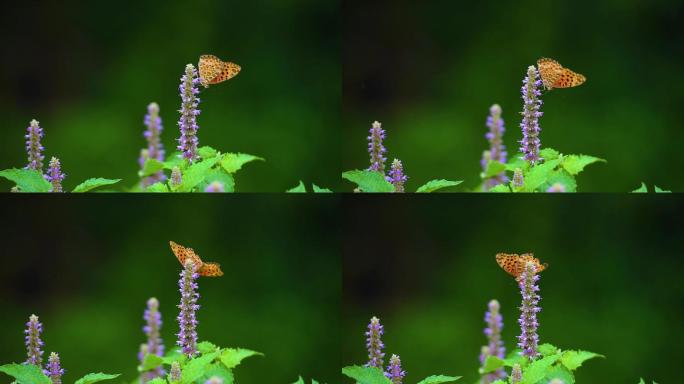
(427, 270)
(88, 270)
(430, 70)
(87, 71)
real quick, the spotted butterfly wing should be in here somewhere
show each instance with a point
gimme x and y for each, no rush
(554, 75)
(210, 270)
(182, 254)
(514, 264)
(213, 70)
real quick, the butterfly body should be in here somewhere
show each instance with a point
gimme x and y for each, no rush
(203, 269)
(514, 264)
(554, 75)
(213, 70)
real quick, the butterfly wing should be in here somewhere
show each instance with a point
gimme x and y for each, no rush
(228, 71)
(210, 270)
(549, 71)
(183, 254)
(508, 262)
(529, 257)
(210, 66)
(569, 79)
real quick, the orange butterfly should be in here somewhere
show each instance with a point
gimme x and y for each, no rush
(213, 70)
(203, 269)
(554, 75)
(515, 264)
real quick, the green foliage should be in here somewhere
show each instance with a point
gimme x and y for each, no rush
(301, 188)
(438, 379)
(493, 169)
(574, 359)
(91, 184)
(644, 189)
(641, 381)
(575, 164)
(368, 181)
(318, 189)
(151, 167)
(301, 381)
(434, 185)
(559, 372)
(491, 364)
(151, 361)
(233, 162)
(95, 378)
(27, 180)
(231, 357)
(25, 374)
(366, 375)
(195, 368)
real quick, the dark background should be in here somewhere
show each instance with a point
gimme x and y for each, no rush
(87, 266)
(427, 270)
(430, 70)
(87, 71)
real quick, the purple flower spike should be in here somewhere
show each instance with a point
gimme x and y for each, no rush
(187, 336)
(497, 150)
(55, 175)
(396, 176)
(531, 90)
(516, 374)
(518, 180)
(176, 177)
(215, 186)
(54, 371)
(33, 342)
(394, 372)
(495, 346)
(33, 147)
(187, 142)
(175, 373)
(556, 187)
(155, 148)
(528, 339)
(374, 343)
(376, 149)
(154, 345)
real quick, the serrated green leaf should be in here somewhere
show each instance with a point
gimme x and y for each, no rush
(233, 162)
(493, 168)
(538, 369)
(560, 372)
(574, 359)
(539, 174)
(547, 349)
(575, 164)
(174, 355)
(150, 167)
(95, 377)
(299, 381)
(218, 370)
(641, 189)
(500, 188)
(195, 174)
(175, 160)
(157, 380)
(366, 375)
(549, 154)
(491, 364)
(206, 152)
(300, 188)
(438, 379)
(25, 374)
(194, 369)
(560, 177)
(151, 361)
(27, 180)
(641, 380)
(434, 185)
(369, 181)
(206, 347)
(517, 161)
(658, 190)
(93, 183)
(157, 187)
(231, 357)
(318, 189)
(314, 381)
(221, 176)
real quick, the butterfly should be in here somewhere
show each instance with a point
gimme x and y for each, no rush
(213, 70)
(554, 75)
(203, 269)
(515, 264)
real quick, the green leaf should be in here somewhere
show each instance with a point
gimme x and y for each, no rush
(299, 381)
(438, 379)
(151, 361)
(641, 189)
(95, 377)
(218, 370)
(538, 369)
(493, 169)
(500, 188)
(150, 167)
(27, 180)
(560, 372)
(366, 375)
(175, 160)
(318, 189)
(231, 357)
(574, 359)
(174, 355)
(547, 349)
(157, 380)
(499, 382)
(549, 154)
(369, 181)
(223, 177)
(491, 364)
(205, 347)
(658, 190)
(560, 177)
(314, 381)
(233, 162)
(25, 374)
(300, 188)
(157, 187)
(517, 161)
(434, 185)
(575, 164)
(207, 152)
(515, 357)
(195, 174)
(194, 369)
(93, 183)
(539, 174)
